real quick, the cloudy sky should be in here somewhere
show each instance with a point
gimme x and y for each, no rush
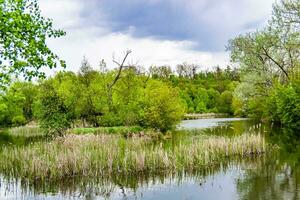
(159, 32)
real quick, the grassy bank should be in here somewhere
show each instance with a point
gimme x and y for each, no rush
(26, 131)
(189, 116)
(126, 131)
(104, 155)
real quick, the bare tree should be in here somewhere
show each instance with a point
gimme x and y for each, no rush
(187, 70)
(121, 66)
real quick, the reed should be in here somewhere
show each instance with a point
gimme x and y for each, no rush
(26, 131)
(106, 155)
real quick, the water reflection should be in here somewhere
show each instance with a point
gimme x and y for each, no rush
(207, 123)
(278, 175)
(272, 176)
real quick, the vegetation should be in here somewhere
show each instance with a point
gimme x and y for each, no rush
(104, 155)
(136, 98)
(110, 122)
(23, 40)
(270, 67)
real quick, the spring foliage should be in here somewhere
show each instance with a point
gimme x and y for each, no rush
(270, 66)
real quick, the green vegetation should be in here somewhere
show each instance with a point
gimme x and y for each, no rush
(270, 68)
(104, 155)
(26, 131)
(23, 41)
(87, 99)
(265, 86)
(106, 122)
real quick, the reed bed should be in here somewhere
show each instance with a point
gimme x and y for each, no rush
(26, 131)
(106, 155)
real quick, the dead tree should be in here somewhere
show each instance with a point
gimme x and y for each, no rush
(117, 77)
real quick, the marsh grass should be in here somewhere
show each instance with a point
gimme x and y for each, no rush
(126, 131)
(26, 131)
(106, 155)
(109, 130)
(105, 186)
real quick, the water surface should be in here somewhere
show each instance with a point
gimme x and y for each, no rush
(275, 176)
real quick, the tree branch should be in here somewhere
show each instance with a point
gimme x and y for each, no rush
(120, 68)
(280, 66)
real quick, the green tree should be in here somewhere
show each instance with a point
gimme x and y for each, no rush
(162, 107)
(16, 104)
(23, 34)
(86, 108)
(270, 63)
(53, 115)
(225, 102)
(213, 99)
(284, 105)
(57, 102)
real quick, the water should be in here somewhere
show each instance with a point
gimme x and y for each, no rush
(275, 176)
(207, 123)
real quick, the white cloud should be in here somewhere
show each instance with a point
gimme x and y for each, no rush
(100, 43)
(146, 51)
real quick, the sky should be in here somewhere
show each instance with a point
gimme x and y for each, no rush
(159, 32)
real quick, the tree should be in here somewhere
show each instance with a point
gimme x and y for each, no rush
(16, 104)
(23, 34)
(270, 63)
(274, 50)
(225, 102)
(187, 70)
(110, 86)
(57, 103)
(86, 109)
(213, 98)
(162, 107)
(284, 106)
(163, 72)
(11, 108)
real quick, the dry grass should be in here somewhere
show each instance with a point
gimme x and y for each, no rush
(26, 131)
(104, 155)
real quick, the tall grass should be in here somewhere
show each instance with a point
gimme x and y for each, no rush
(105, 155)
(26, 131)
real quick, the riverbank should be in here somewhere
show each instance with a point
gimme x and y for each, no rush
(204, 115)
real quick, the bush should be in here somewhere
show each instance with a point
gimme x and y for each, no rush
(286, 103)
(18, 120)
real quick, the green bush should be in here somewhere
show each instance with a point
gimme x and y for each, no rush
(286, 104)
(18, 120)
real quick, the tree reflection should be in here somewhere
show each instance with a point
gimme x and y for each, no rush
(276, 176)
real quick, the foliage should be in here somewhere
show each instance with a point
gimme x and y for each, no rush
(84, 99)
(225, 102)
(16, 106)
(284, 106)
(55, 115)
(269, 60)
(23, 40)
(162, 109)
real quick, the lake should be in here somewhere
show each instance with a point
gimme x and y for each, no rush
(272, 176)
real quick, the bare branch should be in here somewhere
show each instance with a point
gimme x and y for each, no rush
(120, 68)
(272, 59)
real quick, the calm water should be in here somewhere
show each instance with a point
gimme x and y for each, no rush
(275, 176)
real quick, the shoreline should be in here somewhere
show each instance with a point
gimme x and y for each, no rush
(204, 115)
